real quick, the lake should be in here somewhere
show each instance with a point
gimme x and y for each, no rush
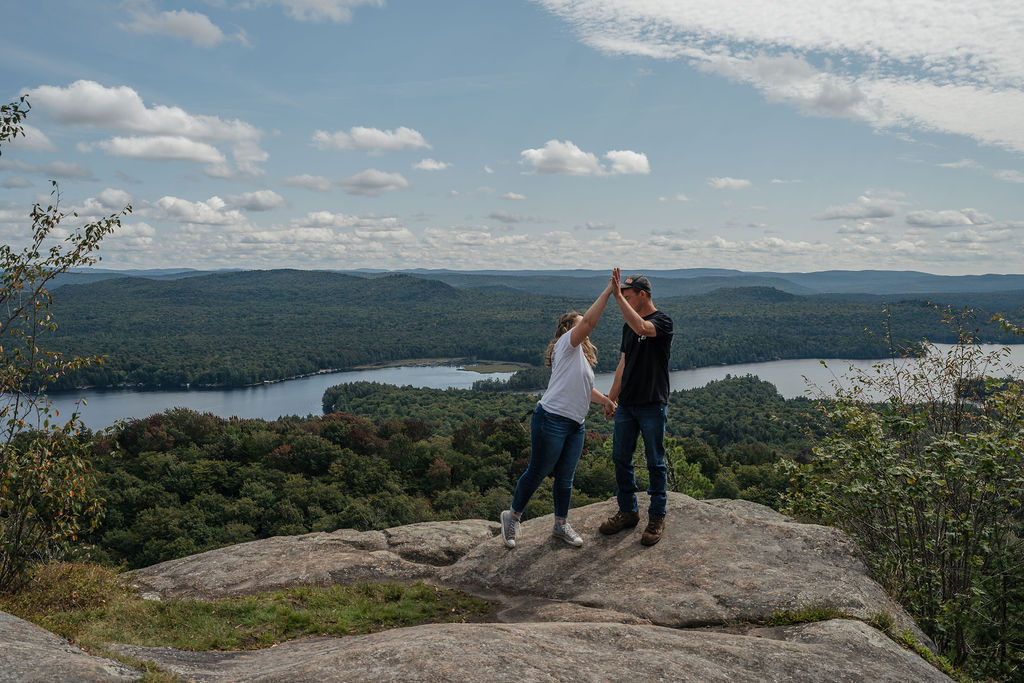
(303, 396)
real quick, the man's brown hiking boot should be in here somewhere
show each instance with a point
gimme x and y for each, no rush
(652, 534)
(619, 521)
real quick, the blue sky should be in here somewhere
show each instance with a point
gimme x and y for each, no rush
(342, 134)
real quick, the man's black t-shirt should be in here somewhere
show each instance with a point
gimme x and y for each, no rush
(645, 372)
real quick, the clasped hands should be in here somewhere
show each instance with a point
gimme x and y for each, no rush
(609, 409)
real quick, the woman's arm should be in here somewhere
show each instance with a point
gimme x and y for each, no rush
(605, 402)
(583, 328)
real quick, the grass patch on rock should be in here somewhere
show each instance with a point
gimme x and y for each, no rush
(91, 606)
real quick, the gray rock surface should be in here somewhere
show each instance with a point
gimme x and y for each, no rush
(835, 651)
(714, 564)
(29, 653)
(403, 553)
(684, 609)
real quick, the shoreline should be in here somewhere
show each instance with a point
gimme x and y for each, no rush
(482, 367)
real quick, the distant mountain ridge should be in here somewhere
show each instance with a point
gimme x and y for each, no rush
(667, 283)
(86, 276)
(688, 281)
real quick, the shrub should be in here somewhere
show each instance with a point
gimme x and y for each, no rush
(44, 502)
(931, 482)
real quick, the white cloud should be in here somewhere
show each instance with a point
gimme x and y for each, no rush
(372, 182)
(625, 161)
(865, 207)
(562, 157)
(488, 170)
(373, 139)
(321, 219)
(113, 200)
(431, 165)
(54, 169)
(945, 219)
(514, 196)
(310, 182)
(68, 170)
(791, 79)
(322, 10)
(162, 148)
(18, 165)
(261, 200)
(935, 67)
(383, 233)
(135, 229)
(727, 183)
(16, 183)
(565, 157)
(1010, 176)
(974, 237)
(597, 225)
(304, 236)
(33, 139)
(182, 24)
(505, 216)
(213, 211)
(962, 163)
(135, 236)
(460, 237)
(862, 228)
(87, 103)
(90, 208)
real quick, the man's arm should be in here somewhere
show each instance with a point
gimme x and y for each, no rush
(637, 324)
(613, 393)
(642, 327)
(645, 328)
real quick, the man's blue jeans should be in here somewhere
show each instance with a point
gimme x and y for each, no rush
(556, 443)
(630, 422)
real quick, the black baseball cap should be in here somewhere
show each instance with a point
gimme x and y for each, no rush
(636, 282)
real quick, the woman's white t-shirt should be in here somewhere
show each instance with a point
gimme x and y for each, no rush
(572, 379)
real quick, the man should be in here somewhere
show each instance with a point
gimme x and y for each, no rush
(641, 390)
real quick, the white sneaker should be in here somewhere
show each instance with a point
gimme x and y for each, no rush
(510, 528)
(567, 534)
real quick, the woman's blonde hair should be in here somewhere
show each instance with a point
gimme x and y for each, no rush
(566, 323)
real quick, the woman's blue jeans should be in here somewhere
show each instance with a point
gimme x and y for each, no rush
(556, 443)
(632, 421)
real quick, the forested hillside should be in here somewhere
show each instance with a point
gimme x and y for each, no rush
(180, 482)
(241, 328)
(233, 329)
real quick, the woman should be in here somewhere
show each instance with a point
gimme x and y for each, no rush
(556, 431)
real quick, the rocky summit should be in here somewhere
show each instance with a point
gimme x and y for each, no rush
(686, 609)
